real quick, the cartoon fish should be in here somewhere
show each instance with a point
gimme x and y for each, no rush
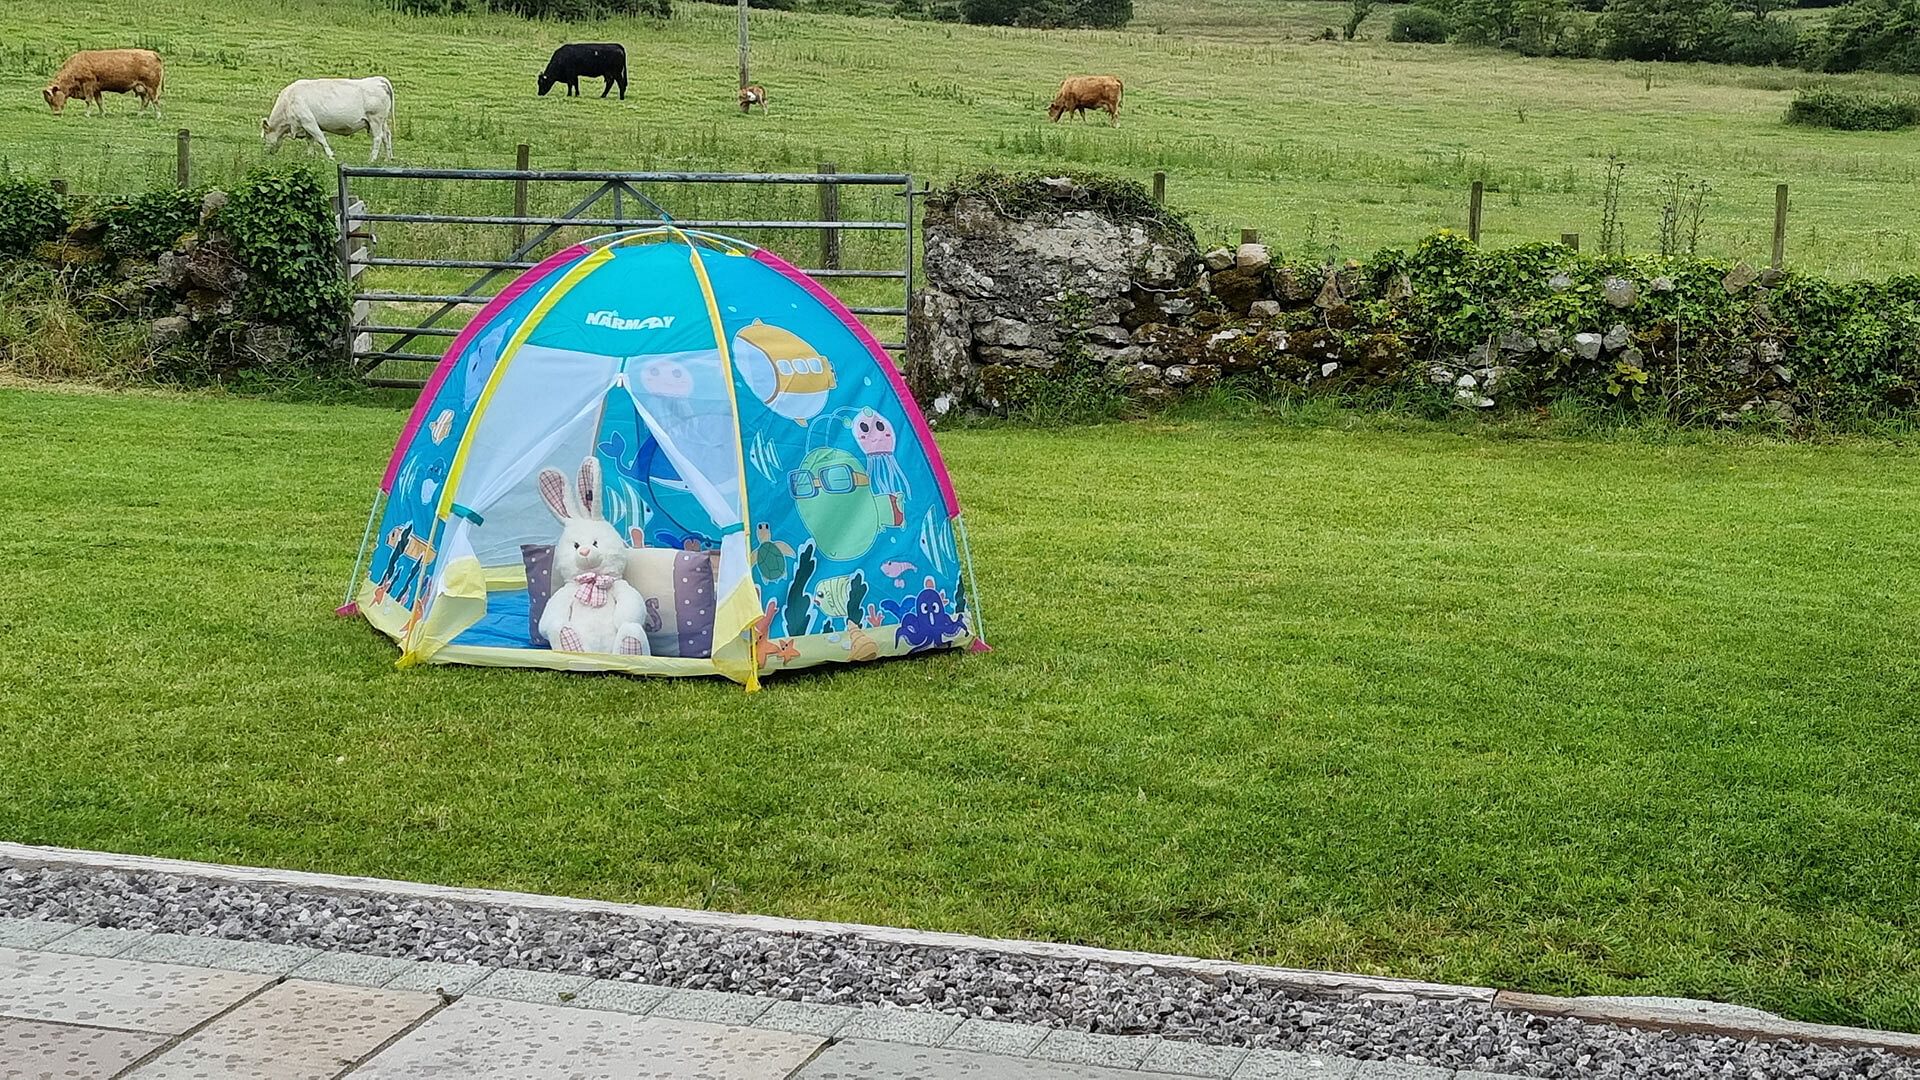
(430, 484)
(838, 505)
(788, 375)
(897, 569)
(441, 427)
(830, 596)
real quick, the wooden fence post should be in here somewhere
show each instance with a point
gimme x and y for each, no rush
(183, 157)
(743, 45)
(522, 154)
(1160, 188)
(1571, 239)
(1473, 210)
(1779, 226)
(829, 211)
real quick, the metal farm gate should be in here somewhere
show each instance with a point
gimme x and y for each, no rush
(426, 261)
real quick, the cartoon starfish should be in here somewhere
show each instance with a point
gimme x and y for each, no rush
(764, 647)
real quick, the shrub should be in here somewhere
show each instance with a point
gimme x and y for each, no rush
(1356, 15)
(1665, 29)
(1760, 42)
(1420, 26)
(29, 213)
(280, 221)
(1870, 35)
(571, 10)
(149, 224)
(1848, 109)
(583, 10)
(1049, 13)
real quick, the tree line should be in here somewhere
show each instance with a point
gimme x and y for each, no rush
(1856, 35)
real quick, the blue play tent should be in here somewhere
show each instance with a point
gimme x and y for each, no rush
(746, 435)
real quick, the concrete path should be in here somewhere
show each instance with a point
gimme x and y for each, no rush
(88, 1002)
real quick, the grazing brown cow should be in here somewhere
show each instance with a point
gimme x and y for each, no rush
(1083, 92)
(86, 75)
(753, 95)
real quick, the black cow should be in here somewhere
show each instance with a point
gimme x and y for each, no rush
(571, 63)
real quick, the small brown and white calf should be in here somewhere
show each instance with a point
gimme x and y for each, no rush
(87, 75)
(753, 95)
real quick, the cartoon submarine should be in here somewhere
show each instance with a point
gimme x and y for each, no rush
(790, 376)
(838, 505)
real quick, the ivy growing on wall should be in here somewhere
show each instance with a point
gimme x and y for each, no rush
(30, 213)
(280, 222)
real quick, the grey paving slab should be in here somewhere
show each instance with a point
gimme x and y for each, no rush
(858, 1059)
(34, 1050)
(806, 1018)
(539, 987)
(102, 992)
(1082, 1048)
(298, 1030)
(32, 933)
(712, 1007)
(1399, 1070)
(636, 998)
(259, 957)
(432, 975)
(353, 969)
(487, 1039)
(1287, 1065)
(995, 1037)
(901, 1026)
(97, 941)
(1199, 1059)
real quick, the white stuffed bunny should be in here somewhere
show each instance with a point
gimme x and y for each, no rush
(593, 609)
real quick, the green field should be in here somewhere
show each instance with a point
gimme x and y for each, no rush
(1322, 145)
(1562, 715)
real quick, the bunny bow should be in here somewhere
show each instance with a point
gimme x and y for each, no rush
(591, 588)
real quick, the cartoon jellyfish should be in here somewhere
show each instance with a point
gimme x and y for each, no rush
(877, 440)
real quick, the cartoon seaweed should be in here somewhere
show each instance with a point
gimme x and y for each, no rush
(799, 600)
(856, 592)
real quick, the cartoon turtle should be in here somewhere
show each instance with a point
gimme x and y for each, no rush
(772, 555)
(838, 505)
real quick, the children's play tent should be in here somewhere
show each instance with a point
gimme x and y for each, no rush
(729, 419)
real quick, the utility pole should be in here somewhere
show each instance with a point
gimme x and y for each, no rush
(744, 80)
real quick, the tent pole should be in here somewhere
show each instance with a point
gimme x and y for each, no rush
(347, 605)
(973, 589)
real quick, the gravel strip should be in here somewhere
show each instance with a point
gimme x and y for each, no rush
(846, 970)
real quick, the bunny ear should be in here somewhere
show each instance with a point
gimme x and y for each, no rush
(590, 486)
(636, 538)
(553, 488)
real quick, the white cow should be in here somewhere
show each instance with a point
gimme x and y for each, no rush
(310, 108)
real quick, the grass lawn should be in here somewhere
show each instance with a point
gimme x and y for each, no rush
(1322, 145)
(1578, 716)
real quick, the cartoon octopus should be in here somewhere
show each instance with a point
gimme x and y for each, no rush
(924, 622)
(877, 440)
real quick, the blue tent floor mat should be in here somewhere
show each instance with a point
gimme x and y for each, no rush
(504, 626)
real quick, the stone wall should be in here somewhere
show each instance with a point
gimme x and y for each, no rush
(1009, 294)
(1039, 288)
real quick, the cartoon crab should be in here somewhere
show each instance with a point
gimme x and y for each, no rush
(924, 621)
